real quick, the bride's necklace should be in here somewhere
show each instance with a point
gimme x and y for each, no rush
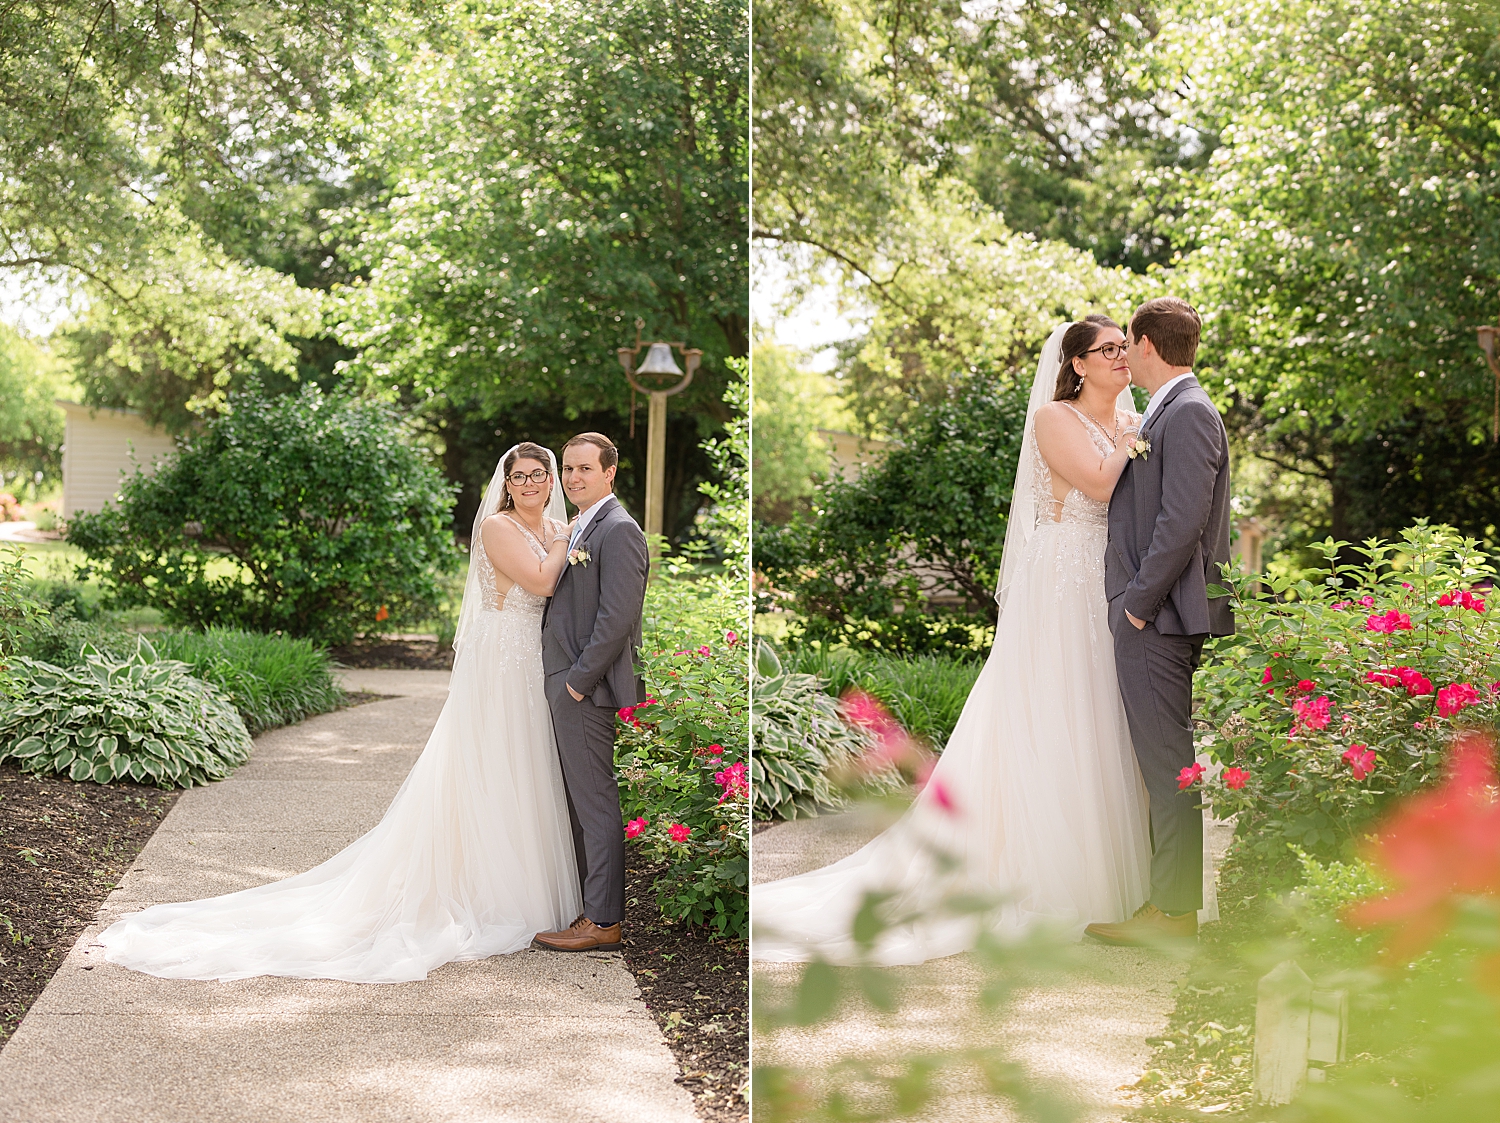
(1114, 441)
(531, 532)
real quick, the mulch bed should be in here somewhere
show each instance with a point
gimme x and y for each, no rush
(63, 847)
(698, 991)
(375, 652)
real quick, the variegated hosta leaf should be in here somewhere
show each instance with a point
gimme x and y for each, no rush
(145, 718)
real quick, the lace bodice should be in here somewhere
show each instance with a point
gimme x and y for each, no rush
(1075, 507)
(518, 599)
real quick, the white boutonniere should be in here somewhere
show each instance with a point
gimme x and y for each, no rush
(1140, 447)
(578, 556)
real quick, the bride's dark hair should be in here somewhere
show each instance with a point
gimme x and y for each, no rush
(1075, 341)
(523, 451)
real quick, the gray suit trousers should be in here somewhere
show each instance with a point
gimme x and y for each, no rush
(1156, 685)
(586, 747)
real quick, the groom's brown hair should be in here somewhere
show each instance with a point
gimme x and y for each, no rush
(609, 455)
(1173, 326)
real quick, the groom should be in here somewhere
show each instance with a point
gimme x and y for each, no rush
(1168, 535)
(590, 635)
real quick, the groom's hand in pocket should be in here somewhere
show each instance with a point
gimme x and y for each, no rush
(1139, 624)
(577, 697)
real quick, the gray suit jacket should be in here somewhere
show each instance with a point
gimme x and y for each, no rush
(592, 625)
(1169, 520)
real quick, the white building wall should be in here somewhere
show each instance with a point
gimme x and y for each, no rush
(100, 446)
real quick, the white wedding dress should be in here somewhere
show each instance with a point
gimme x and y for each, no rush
(1047, 808)
(473, 857)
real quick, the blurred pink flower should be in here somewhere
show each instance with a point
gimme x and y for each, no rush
(1360, 759)
(635, 827)
(1383, 678)
(1367, 601)
(703, 650)
(1307, 685)
(1265, 678)
(1235, 778)
(1312, 713)
(1189, 776)
(731, 638)
(679, 832)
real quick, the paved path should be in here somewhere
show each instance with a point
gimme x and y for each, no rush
(534, 1037)
(1087, 1038)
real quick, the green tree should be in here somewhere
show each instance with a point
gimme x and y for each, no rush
(31, 424)
(554, 172)
(1349, 242)
(304, 513)
(931, 516)
(791, 405)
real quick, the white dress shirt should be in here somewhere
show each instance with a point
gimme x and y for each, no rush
(584, 518)
(1161, 395)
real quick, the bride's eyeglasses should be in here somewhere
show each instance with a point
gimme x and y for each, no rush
(536, 476)
(1110, 351)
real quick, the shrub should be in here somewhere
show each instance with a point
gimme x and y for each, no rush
(144, 718)
(931, 513)
(307, 514)
(19, 610)
(1335, 697)
(272, 680)
(801, 739)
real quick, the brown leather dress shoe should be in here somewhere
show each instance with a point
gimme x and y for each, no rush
(1149, 927)
(582, 935)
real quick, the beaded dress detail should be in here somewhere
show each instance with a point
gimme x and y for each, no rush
(1037, 796)
(473, 857)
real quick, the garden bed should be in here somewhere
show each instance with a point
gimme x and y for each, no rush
(63, 847)
(698, 991)
(394, 652)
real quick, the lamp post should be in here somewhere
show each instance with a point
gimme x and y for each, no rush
(1487, 345)
(658, 367)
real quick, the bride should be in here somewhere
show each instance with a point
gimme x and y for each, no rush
(474, 855)
(1037, 796)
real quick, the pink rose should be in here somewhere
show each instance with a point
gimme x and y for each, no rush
(1452, 699)
(1383, 678)
(1265, 678)
(635, 827)
(1312, 713)
(1416, 682)
(1367, 601)
(1307, 686)
(1361, 760)
(1235, 778)
(1189, 776)
(678, 832)
(731, 638)
(1389, 623)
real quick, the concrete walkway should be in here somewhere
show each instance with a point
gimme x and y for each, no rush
(534, 1037)
(1085, 1038)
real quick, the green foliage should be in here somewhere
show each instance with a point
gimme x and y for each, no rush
(669, 750)
(145, 719)
(1307, 643)
(1319, 902)
(925, 693)
(271, 679)
(31, 423)
(304, 514)
(791, 404)
(802, 742)
(556, 170)
(930, 516)
(19, 610)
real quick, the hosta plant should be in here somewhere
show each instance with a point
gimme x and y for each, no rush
(1336, 696)
(145, 719)
(803, 745)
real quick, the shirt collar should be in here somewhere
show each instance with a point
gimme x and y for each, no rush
(1161, 394)
(588, 517)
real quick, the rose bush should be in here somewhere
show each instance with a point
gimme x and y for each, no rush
(681, 756)
(1337, 696)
